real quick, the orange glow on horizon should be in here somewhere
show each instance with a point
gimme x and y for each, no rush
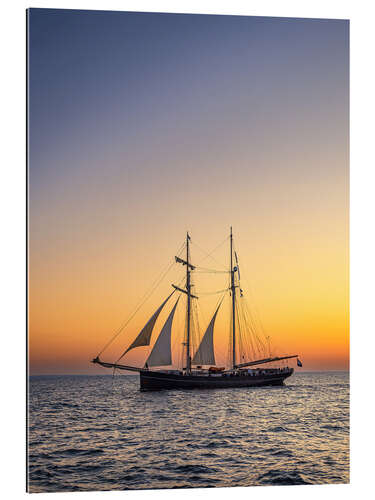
(302, 302)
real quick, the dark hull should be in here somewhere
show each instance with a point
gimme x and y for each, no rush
(157, 381)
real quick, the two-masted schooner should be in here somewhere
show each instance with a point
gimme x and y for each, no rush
(199, 370)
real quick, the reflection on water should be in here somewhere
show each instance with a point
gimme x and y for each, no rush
(86, 433)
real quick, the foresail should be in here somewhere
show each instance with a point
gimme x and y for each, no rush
(205, 355)
(161, 352)
(144, 336)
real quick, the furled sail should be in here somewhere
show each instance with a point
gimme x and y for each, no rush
(205, 354)
(144, 336)
(161, 352)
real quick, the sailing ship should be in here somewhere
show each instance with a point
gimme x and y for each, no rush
(199, 369)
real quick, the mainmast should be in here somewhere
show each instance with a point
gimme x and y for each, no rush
(188, 289)
(233, 290)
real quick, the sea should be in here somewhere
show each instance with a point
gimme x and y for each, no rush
(90, 433)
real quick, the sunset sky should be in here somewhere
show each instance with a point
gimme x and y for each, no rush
(143, 126)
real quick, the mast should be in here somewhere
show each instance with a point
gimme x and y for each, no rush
(233, 289)
(188, 289)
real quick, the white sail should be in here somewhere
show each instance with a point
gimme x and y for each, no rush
(205, 354)
(161, 352)
(144, 336)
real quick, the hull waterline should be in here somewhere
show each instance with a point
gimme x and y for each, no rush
(157, 380)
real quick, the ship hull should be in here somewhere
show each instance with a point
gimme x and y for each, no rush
(157, 380)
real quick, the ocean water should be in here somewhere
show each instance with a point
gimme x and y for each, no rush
(95, 433)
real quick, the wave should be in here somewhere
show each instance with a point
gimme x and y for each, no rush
(219, 438)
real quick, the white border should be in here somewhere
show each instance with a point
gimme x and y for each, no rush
(12, 210)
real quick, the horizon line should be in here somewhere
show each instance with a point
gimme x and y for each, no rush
(110, 374)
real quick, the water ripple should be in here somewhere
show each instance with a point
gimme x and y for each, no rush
(86, 433)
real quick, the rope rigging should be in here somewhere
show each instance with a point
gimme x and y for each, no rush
(209, 255)
(204, 270)
(252, 322)
(213, 293)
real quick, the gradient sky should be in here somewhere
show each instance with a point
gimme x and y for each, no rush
(142, 126)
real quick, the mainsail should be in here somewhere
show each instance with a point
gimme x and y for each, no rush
(161, 352)
(205, 354)
(144, 336)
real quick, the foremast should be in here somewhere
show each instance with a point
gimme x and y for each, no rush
(233, 293)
